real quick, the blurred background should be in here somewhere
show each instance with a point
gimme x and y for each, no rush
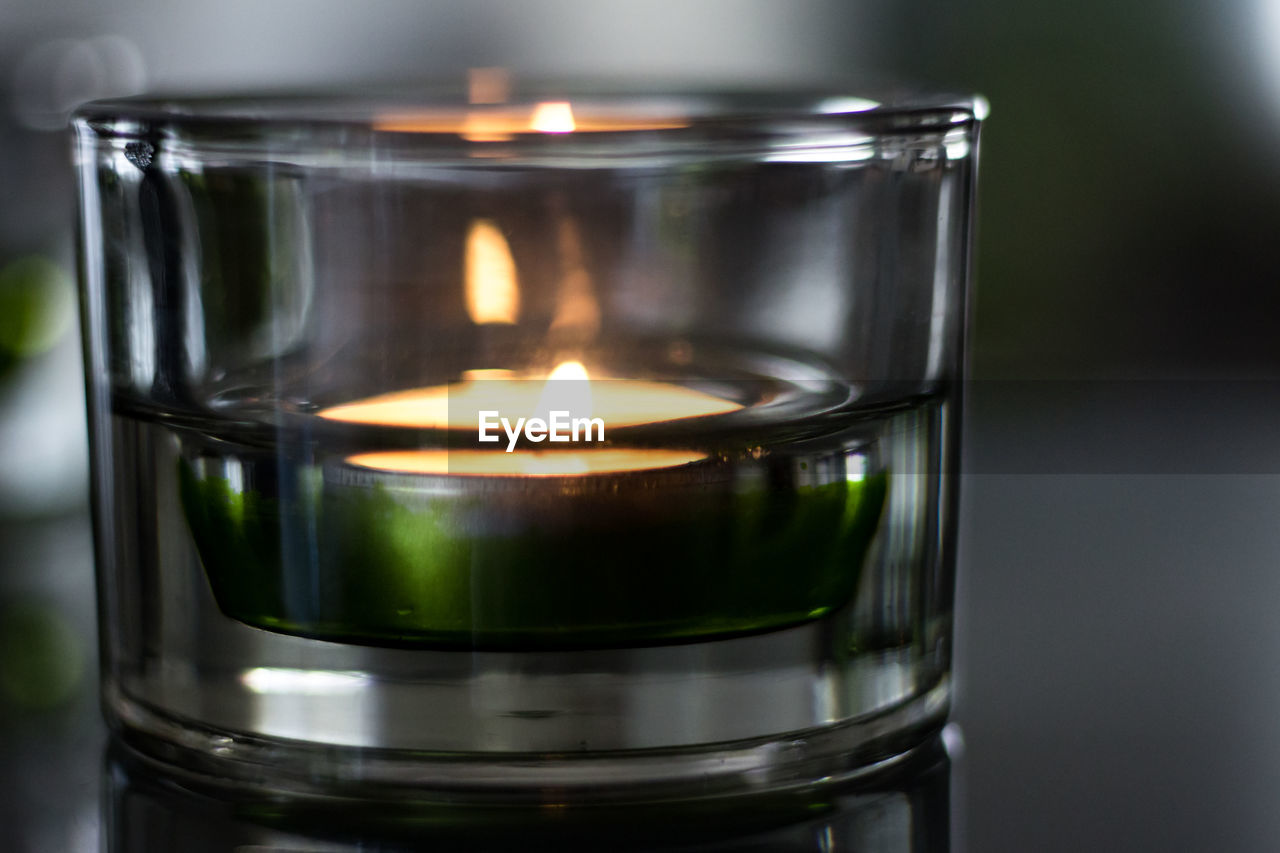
(1118, 647)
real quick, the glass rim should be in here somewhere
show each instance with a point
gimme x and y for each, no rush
(530, 125)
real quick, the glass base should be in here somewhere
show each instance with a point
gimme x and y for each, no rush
(897, 806)
(728, 774)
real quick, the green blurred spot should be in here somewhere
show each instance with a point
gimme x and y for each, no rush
(37, 302)
(41, 657)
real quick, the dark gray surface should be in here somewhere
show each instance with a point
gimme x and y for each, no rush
(1118, 639)
(1117, 662)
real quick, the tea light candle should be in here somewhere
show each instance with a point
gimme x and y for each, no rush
(610, 404)
(563, 548)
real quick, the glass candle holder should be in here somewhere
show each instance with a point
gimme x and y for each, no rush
(594, 449)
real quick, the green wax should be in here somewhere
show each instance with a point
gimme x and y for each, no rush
(382, 565)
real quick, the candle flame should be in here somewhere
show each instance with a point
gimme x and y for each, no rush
(567, 389)
(553, 117)
(569, 370)
(577, 317)
(492, 291)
